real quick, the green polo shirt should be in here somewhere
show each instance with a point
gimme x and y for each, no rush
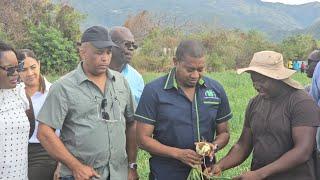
(73, 105)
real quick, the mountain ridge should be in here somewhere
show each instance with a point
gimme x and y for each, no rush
(267, 17)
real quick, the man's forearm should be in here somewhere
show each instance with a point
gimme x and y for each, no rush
(235, 157)
(131, 141)
(55, 147)
(222, 140)
(155, 147)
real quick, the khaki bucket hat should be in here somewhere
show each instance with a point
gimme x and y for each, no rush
(270, 64)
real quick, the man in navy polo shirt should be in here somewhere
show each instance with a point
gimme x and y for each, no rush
(179, 109)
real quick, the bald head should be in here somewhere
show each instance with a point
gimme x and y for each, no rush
(190, 48)
(313, 59)
(119, 33)
(314, 55)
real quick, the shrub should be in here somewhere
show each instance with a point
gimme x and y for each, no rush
(56, 53)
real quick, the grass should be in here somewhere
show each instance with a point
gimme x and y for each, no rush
(239, 90)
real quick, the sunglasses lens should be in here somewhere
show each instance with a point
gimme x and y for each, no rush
(105, 116)
(11, 71)
(135, 46)
(103, 103)
(130, 45)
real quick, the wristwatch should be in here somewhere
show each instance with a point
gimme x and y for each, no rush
(133, 166)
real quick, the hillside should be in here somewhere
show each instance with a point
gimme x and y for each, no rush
(271, 18)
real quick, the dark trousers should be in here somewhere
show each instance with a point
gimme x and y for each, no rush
(40, 165)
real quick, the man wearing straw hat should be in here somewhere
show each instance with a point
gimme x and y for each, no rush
(279, 127)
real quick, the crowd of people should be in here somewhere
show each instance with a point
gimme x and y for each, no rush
(90, 123)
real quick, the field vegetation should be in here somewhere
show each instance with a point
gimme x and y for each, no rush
(239, 90)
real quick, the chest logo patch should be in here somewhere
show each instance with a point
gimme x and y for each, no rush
(210, 94)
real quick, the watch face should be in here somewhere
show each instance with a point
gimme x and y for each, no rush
(135, 166)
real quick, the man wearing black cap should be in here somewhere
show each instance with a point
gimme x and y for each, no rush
(93, 107)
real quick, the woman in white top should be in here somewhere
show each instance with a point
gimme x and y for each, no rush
(41, 165)
(14, 122)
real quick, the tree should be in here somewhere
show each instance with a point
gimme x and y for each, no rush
(56, 53)
(16, 15)
(140, 24)
(68, 22)
(49, 29)
(297, 47)
(253, 41)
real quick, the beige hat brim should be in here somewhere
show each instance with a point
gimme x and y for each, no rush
(292, 83)
(283, 73)
(269, 73)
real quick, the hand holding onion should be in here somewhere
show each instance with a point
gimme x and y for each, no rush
(206, 149)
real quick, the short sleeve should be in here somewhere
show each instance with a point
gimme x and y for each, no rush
(55, 107)
(224, 111)
(247, 116)
(129, 111)
(305, 113)
(147, 108)
(140, 86)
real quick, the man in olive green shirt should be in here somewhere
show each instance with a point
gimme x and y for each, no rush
(93, 107)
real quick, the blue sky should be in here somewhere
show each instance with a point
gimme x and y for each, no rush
(291, 1)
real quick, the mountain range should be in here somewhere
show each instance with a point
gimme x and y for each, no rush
(277, 20)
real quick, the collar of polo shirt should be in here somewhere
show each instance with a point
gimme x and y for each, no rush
(171, 81)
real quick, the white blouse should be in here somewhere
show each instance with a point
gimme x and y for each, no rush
(14, 134)
(37, 101)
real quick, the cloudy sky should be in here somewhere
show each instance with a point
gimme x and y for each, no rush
(291, 1)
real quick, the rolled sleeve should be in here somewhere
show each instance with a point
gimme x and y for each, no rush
(224, 111)
(55, 107)
(147, 109)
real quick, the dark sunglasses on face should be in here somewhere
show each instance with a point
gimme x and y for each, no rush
(128, 44)
(131, 44)
(11, 70)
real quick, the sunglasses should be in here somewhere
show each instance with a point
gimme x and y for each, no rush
(128, 44)
(11, 70)
(105, 115)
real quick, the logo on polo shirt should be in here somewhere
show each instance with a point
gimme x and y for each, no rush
(210, 94)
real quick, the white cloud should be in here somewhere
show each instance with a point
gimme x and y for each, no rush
(291, 1)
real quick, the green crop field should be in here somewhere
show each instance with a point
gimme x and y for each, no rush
(239, 90)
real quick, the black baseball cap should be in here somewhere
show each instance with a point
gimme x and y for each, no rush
(98, 36)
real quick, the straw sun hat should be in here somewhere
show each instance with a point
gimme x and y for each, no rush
(270, 64)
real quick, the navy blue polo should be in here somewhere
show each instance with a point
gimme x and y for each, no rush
(178, 122)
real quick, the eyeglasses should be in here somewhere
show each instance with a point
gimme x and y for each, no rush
(105, 115)
(11, 70)
(128, 44)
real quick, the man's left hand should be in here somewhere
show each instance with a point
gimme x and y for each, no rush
(133, 174)
(250, 175)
